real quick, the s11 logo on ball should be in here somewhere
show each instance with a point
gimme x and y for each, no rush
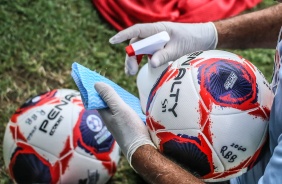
(174, 93)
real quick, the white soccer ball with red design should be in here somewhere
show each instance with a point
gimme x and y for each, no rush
(209, 112)
(51, 138)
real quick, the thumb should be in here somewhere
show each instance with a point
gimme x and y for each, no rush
(109, 95)
(106, 115)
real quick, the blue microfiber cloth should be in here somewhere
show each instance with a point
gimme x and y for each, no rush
(85, 80)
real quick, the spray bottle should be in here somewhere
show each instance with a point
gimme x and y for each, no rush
(147, 75)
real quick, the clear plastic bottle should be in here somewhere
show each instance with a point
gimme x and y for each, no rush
(145, 80)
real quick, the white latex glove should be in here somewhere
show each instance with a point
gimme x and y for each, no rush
(127, 128)
(184, 39)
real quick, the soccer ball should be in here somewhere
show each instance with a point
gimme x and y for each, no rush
(51, 138)
(209, 112)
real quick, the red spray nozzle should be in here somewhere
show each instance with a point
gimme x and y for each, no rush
(148, 45)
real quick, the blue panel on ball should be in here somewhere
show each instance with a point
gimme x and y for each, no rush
(227, 83)
(28, 168)
(188, 155)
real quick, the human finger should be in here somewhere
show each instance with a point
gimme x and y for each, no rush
(137, 30)
(110, 97)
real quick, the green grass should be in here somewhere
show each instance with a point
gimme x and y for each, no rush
(39, 40)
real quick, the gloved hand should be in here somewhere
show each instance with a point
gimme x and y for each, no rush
(127, 128)
(184, 39)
